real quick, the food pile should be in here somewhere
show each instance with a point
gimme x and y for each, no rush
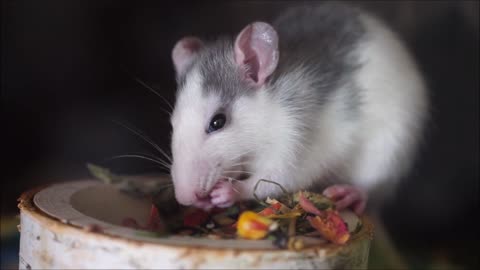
(283, 220)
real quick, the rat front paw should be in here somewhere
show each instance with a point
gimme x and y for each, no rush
(346, 196)
(223, 194)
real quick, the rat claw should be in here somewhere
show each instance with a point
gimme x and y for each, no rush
(359, 207)
(223, 194)
(223, 200)
(216, 192)
(346, 196)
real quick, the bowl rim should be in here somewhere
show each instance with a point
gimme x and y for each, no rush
(27, 206)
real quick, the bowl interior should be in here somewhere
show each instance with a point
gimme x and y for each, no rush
(86, 202)
(105, 203)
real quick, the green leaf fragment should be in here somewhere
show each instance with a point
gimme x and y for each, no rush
(232, 211)
(104, 174)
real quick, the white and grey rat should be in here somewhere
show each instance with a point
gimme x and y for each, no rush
(323, 94)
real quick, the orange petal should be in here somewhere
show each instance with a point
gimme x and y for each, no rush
(331, 227)
(251, 225)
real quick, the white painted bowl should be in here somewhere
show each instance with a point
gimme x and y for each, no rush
(56, 232)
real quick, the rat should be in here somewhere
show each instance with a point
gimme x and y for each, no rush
(325, 94)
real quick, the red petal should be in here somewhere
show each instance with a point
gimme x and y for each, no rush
(154, 221)
(271, 210)
(338, 222)
(308, 206)
(258, 226)
(196, 218)
(331, 227)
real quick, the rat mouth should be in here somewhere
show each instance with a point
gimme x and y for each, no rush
(238, 172)
(203, 195)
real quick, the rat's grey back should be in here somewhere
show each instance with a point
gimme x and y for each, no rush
(315, 47)
(316, 42)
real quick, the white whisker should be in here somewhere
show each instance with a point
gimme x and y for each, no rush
(238, 172)
(240, 155)
(140, 157)
(230, 179)
(146, 139)
(138, 80)
(153, 157)
(239, 163)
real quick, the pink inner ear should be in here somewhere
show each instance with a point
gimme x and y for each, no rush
(245, 55)
(256, 49)
(184, 52)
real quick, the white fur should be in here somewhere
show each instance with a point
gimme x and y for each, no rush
(375, 149)
(394, 111)
(188, 139)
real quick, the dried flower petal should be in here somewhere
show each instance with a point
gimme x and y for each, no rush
(254, 226)
(271, 210)
(331, 227)
(308, 206)
(155, 223)
(328, 222)
(320, 201)
(196, 218)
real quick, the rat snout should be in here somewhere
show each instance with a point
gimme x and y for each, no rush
(184, 196)
(193, 183)
(191, 196)
(183, 187)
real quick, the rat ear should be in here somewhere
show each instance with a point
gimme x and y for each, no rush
(184, 52)
(256, 49)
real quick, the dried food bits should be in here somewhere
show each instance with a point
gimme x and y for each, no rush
(327, 222)
(280, 219)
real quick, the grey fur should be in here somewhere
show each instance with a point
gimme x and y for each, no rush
(316, 39)
(220, 74)
(319, 40)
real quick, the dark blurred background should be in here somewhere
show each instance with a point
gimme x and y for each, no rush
(69, 68)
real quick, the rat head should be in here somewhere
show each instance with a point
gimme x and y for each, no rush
(219, 107)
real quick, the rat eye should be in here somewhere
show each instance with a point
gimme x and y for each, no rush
(217, 122)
